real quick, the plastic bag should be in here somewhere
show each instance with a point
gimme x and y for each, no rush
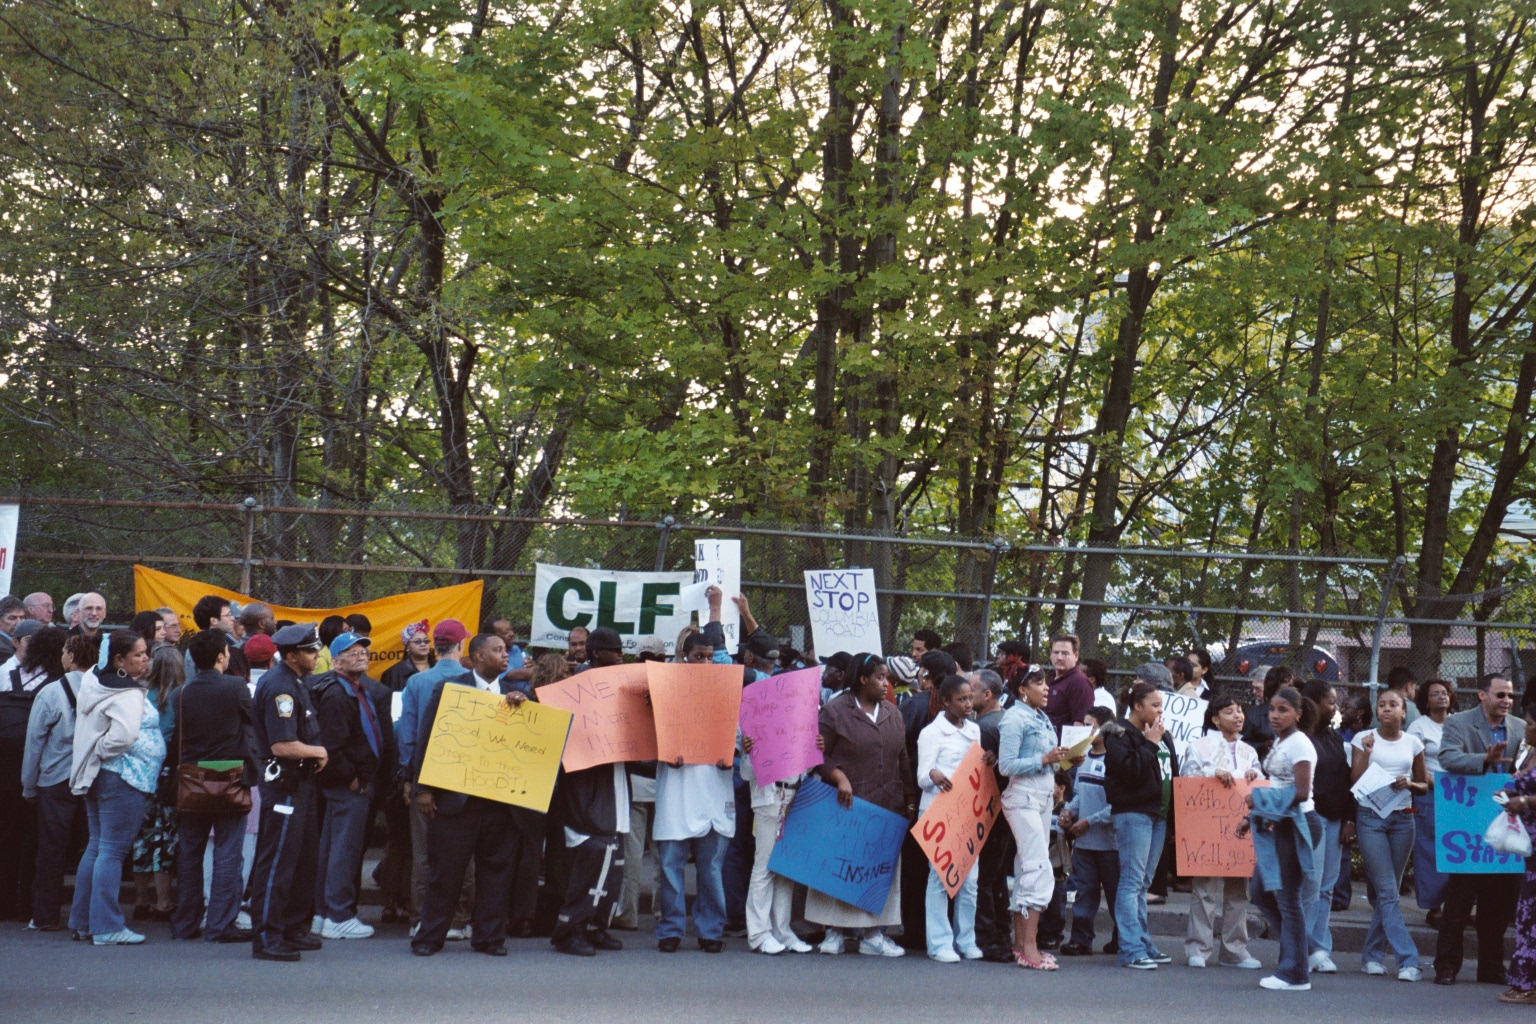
(1506, 834)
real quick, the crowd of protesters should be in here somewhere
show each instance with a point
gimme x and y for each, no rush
(105, 731)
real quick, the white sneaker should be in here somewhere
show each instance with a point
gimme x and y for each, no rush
(316, 925)
(125, 937)
(415, 928)
(1274, 984)
(351, 928)
(974, 953)
(1372, 967)
(1197, 961)
(461, 934)
(771, 946)
(943, 956)
(1409, 974)
(833, 943)
(798, 945)
(1247, 963)
(1322, 963)
(243, 920)
(880, 945)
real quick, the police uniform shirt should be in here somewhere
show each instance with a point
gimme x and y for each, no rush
(284, 711)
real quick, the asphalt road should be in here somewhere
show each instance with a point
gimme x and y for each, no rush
(47, 978)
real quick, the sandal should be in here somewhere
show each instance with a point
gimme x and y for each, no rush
(1045, 963)
(1517, 995)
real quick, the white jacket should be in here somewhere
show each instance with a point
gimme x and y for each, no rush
(106, 725)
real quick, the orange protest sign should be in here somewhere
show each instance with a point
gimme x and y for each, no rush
(611, 715)
(954, 827)
(1205, 817)
(697, 708)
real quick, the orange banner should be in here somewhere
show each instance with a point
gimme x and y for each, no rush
(389, 615)
(697, 708)
(954, 828)
(611, 715)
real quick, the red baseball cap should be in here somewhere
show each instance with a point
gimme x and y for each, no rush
(259, 648)
(451, 630)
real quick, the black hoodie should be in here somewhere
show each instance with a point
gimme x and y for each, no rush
(1133, 779)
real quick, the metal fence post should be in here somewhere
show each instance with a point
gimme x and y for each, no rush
(665, 526)
(249, 509)
(997, 547)
(1387, 587)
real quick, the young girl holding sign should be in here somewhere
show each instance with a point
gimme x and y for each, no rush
(941, 746)
(1221, 755)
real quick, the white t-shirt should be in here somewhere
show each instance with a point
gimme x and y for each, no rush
(1429, 732)
(1284, 756)
(1394, 756)
(692, 800)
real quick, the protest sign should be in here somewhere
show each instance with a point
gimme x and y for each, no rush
(1184, 718)
(611, 715)
(1464, 809)
(849, 854)
(844, 613)
(697, 708)
(955, 825)
(1206, 815)
(390, 615)
(481, 746)
(719, 562)
(780, 715)
(636, 605)
(10, 517)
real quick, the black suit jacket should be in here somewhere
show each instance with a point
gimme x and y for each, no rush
(214, 722)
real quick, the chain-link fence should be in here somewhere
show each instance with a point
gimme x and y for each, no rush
(1327, 616)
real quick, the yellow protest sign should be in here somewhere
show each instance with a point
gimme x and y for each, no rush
(389, 615)
(482, 747)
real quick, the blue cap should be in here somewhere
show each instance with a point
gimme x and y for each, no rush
(347, 640)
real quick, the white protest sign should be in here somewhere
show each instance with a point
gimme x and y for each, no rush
(636, 605)
(844, 613)
(719, 562)
(1184, 718)
(9, 516)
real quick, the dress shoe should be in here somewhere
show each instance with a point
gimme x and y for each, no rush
(390, 916)
(711, 945)
(1112, 947)
(574, 943)
(236, 935)
(421, 949)
(285, 953)
(1049, 944)
(497, 950)
(600, 939)
(1073, 949)
(1444, 978)
(669, 945)
(197, 933)
(1491, 978)
(305, 942)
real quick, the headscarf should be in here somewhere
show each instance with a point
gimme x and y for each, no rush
(416, 627)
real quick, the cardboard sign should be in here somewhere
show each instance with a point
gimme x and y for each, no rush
(718, 562)
(849, 854)
(844, 613)
(954, 827)
(611, 715)
(780, 714)
(1464, 809)
(636, 605)
(1206, 815)
(697, 708)
(481, 746)
(1184, 718)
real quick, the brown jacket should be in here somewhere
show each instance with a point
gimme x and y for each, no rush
(874, 757)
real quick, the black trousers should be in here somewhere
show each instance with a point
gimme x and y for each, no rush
(994, 929)
(1495, 897)
(287, 855)
(914, 889)
(527, 863)
(18, 840)
(60, 816)
(483, 830)
(594, 880)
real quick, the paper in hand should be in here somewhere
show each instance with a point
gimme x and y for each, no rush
(1374, 790)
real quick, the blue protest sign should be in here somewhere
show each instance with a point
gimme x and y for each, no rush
(1464, 809)
(849, 855)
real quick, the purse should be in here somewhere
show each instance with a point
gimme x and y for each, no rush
(1506, 834)
(212, 791)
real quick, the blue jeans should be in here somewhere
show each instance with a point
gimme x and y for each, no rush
(342, 835)
(941, 936)
(228, 854)
(1385, 844)
(1140, 839)
(1282, 909)
(709, 908)
(114, 810)
(1092, 870)
(1318, 910)
(1428, 884)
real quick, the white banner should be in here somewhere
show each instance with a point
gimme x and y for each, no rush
(844, 613)
(719, 562)
(637, 605)
(9, 516)
(1184, 718)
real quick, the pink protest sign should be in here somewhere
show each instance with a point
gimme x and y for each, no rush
(780, 713)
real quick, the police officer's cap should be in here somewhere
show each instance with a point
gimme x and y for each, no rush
(302, 636)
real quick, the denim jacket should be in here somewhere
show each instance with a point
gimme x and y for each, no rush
(1272, 805)
(1025, 736)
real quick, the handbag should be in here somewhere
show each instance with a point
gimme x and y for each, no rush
(1506, 834)
(211, 791)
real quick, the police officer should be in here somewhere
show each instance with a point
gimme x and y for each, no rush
(287, 846)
